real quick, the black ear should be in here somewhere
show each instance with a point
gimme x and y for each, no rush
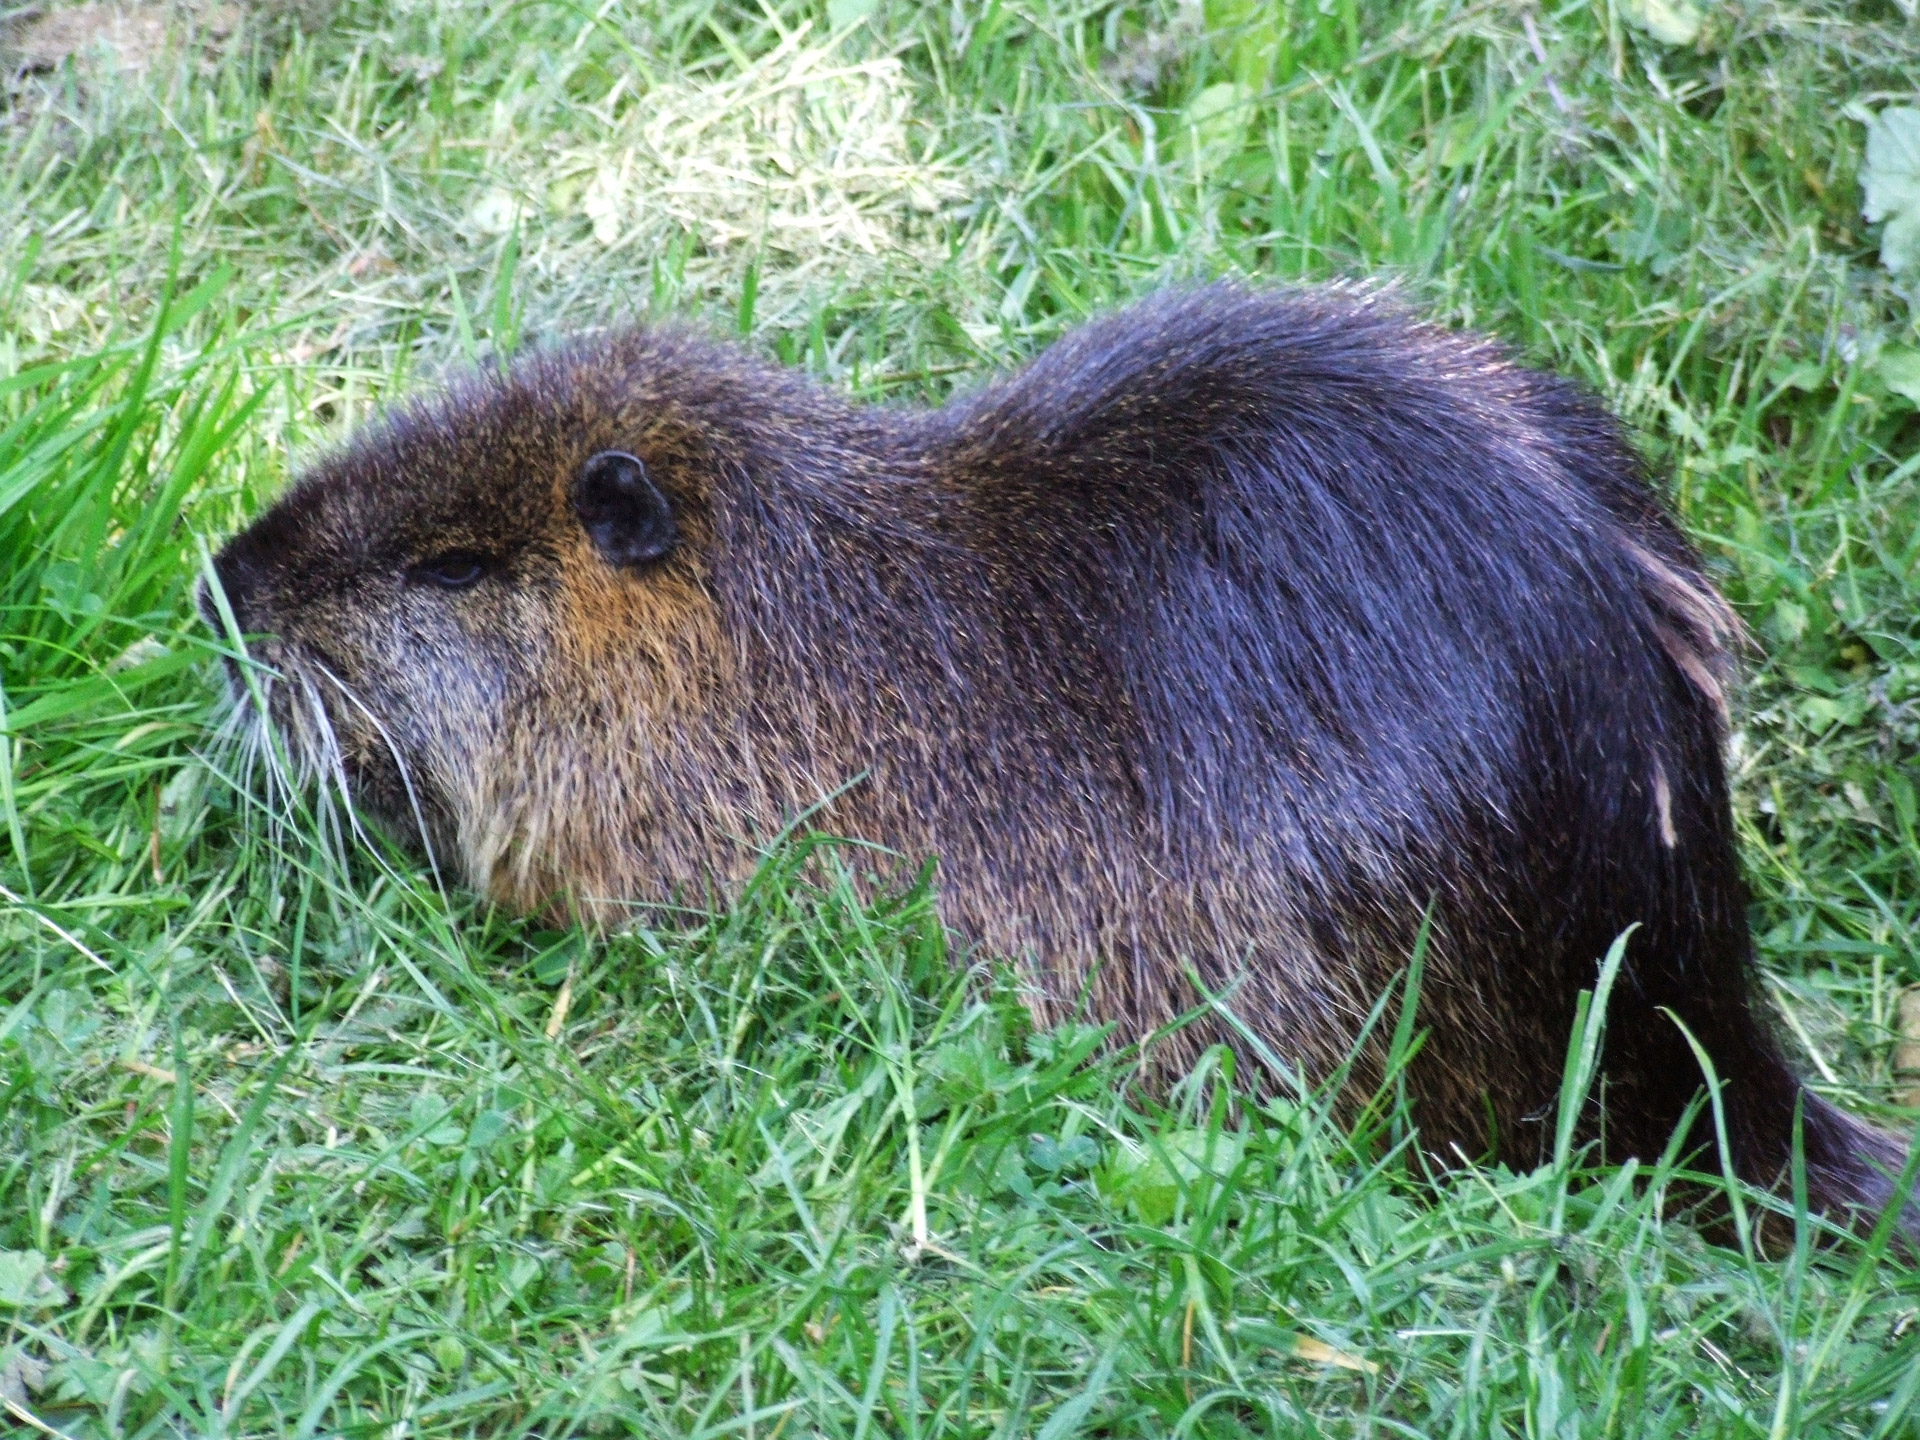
(629, 519)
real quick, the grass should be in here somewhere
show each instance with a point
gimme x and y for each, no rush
(292, 1143)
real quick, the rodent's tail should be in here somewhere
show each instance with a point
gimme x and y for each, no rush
(1853, 1169)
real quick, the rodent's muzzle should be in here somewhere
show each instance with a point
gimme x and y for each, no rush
(238, 580)
(239, 575)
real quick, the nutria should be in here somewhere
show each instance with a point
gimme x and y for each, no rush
(1234, 635)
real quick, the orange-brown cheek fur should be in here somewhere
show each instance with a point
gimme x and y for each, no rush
(573, 813)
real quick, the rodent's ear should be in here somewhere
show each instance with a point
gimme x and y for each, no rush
(627, 517)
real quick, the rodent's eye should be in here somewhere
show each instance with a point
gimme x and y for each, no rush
(454, 570)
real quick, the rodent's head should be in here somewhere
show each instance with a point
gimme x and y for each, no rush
(482, 616)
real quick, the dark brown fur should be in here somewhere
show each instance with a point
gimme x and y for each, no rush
(1233, 634)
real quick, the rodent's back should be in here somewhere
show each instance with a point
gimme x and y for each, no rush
(1356, 638)
(1290, 623)
(1286, 556)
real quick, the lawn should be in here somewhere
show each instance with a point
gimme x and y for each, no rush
(292, 1142)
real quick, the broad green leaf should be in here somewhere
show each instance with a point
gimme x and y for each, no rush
(25, 1283)
(1891, 182)
(1218, 117)
(842, 13)
(1672, 22)
(1899, 367)
(1151, 1179)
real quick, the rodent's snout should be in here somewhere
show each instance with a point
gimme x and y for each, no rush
(239, 582)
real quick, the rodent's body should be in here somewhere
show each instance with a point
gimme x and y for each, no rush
(1237, 632)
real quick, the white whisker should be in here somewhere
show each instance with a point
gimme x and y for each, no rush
(400, 763)
(327, 759)
(272, 767)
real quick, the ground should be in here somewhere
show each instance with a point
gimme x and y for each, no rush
(293, 1143)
